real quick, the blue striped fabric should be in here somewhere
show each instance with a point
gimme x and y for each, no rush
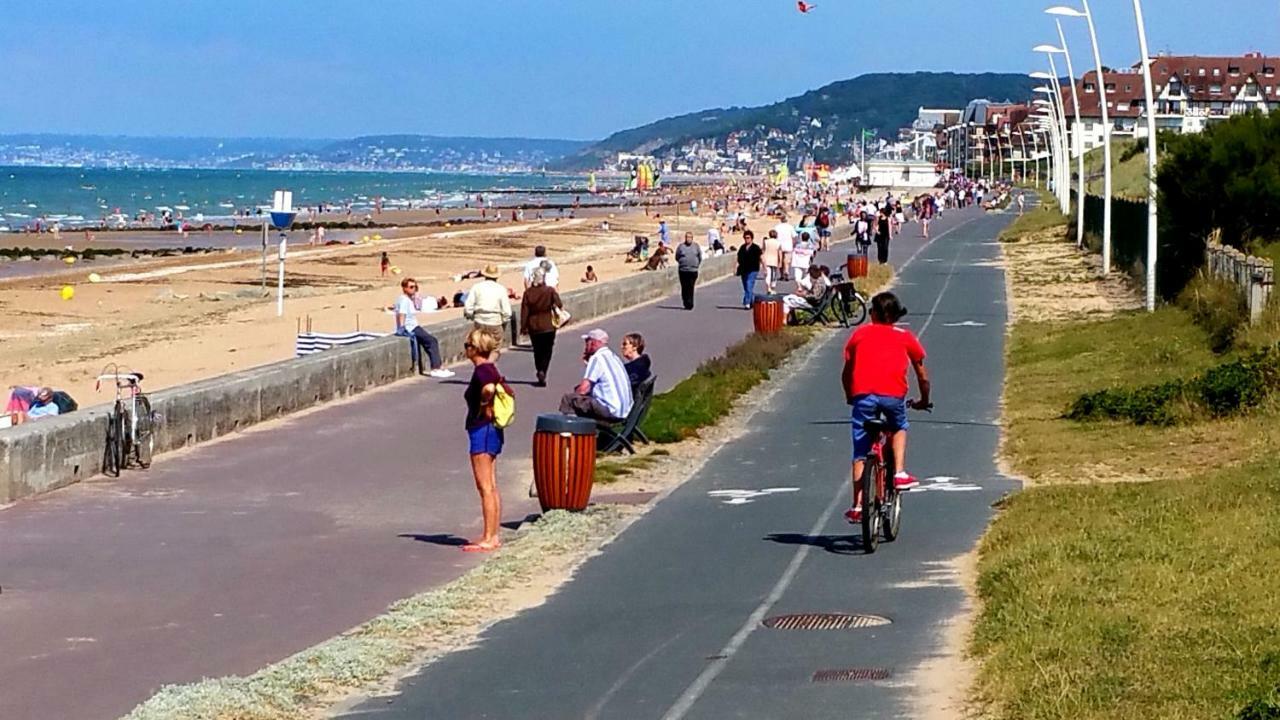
(609, 383)
(309, 343)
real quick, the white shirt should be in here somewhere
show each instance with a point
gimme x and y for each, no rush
(487, 303)
(405, 306)
(610, 385)
(786, 235)
(553, 275)
(802, 254)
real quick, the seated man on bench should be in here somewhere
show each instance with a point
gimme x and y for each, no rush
(604, 394)
(809, 290)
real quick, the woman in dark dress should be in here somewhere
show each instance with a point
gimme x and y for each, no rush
(537, 320)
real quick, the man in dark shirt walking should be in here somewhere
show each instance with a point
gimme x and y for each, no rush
(688, 260)
(748, 266)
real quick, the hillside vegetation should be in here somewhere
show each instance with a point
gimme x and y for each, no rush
(883, 102)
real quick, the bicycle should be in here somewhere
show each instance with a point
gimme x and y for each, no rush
(881, 500)
(130, 424)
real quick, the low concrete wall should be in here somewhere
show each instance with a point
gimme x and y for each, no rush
(48, 454)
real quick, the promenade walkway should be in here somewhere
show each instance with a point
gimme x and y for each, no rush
(232, 555)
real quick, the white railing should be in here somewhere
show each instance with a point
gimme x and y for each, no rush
(1254, 276)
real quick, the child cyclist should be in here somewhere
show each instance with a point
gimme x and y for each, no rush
(875, 380)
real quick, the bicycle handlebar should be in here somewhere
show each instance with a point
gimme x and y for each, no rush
(130, 377)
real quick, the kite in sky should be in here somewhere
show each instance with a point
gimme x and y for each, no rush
(804, 7)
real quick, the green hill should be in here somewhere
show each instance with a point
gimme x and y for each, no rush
(825, 120)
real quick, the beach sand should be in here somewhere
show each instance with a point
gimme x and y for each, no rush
(191, 317)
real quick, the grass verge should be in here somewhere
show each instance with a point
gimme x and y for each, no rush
(1129, 600)
(1045, 216)
(296, 686)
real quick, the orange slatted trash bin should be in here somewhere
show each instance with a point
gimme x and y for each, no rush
(564, 461)
(767, 313)
(856, 264)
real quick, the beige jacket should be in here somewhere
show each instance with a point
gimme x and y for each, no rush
(487, 304)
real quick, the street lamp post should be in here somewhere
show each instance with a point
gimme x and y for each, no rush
(1152, 229)
(1106, 126)
(1059, 146)
(1077, 139)
(1064, 137)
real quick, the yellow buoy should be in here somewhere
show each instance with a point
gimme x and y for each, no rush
(95, 278)
(395, 270)
(68, 292)
(239, 231)
(70, 259)
(364, 238)
(377, 237)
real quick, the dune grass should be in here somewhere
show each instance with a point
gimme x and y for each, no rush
(1116, 600)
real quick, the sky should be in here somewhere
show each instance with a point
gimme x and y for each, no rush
(577, 69)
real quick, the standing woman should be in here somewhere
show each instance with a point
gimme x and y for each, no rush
(883, 220)
(485, 437)
(537, 320)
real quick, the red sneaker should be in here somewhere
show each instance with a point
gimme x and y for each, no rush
(903, 481)
(853, 515)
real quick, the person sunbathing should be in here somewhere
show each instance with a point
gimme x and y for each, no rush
(590, 275)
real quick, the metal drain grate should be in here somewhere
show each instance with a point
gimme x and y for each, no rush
(825, 621)
(851, 675)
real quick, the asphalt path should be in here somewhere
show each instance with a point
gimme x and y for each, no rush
(237, 553)
(667, 621)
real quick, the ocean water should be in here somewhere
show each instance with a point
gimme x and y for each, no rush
(80, 196)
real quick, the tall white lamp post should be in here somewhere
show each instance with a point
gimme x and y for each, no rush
(1152, 191)
(282, 215)
(1077, 144)
(1065, 11)
(1059, 148)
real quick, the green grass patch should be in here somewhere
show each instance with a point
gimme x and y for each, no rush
(1128, 169)
(612, 469)
(703, 398)
(1134, 601)
(1048, 215)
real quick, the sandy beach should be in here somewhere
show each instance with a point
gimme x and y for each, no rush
(188, 317)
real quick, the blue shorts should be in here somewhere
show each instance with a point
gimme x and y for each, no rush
(867, 407)
(486, 440)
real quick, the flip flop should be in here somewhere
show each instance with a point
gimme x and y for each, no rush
(480, 547)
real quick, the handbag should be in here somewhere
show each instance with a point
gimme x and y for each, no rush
(560, 317)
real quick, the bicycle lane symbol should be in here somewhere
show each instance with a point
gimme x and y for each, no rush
(943, 483)
(743, 497)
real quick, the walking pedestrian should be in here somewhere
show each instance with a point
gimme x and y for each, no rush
(484, 437)
(385, 264)
(488, 304)
(771, 256)
(688, 260)
(407, 307)
(537, 320)
(883, 221)
(749, 256)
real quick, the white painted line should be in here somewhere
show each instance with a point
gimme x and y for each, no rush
(965, 323)
(700, 684)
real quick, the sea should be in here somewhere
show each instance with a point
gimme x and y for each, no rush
(78, 197)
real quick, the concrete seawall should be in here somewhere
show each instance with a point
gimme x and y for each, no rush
(44, 455)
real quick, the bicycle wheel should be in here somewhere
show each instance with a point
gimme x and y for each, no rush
(111, 450)
(838, 310)
(855, 309)
(144, 433)
(870, 507)
(124, 431)
(892, 511)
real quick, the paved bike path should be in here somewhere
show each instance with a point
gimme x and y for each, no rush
(665, 623)
(235, 554)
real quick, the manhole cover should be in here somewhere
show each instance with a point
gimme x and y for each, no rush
(825, 621)
(851, 674)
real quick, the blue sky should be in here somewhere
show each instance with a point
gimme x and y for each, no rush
(546, 68)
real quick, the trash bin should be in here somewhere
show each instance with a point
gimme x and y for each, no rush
(856, 264)
(564, 461)
(767, 313)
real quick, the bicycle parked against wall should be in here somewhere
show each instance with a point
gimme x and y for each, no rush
(130, 424)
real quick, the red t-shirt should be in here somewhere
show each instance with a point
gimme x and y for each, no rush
(881, 356)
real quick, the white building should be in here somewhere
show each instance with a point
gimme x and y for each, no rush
(1191, 92)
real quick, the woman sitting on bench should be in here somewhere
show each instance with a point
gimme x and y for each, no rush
(809, 291)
